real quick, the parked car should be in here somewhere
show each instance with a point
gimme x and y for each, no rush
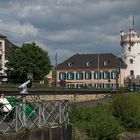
(134, 88)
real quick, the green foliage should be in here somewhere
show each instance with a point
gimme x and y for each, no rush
(127, 109)
(30, 58)
(54, 72)
(98, 123)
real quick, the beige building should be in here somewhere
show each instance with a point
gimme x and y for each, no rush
(5, 47)
(92, 70)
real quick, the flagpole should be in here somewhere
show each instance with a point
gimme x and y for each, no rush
(98, 69)
(56, 59)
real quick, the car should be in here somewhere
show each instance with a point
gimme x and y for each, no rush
(134, 88)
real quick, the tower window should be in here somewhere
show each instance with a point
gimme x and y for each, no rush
(129, 48)
(131, 73)
(131, 61)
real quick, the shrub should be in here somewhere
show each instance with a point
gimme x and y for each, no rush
(104, 127)
(98, 123)
(127, 110)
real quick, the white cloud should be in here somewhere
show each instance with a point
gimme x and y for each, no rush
(69, 26)
(18, 29)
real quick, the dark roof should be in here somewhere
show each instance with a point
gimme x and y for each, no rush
(2, 36)
(104, 60)
(9, 47)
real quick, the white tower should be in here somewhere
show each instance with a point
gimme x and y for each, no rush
(130, 43)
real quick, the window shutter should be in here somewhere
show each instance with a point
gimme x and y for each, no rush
(76, 76)
(94, 75)
(72, 76)
(111, 75)
(99, 75)
(82, 75)
(65, 76)
(59, 76)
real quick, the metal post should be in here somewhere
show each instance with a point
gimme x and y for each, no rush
(16, 125)
(23, 93)
(39, 115)
(98, 69)
(60, 112)
(24, 109)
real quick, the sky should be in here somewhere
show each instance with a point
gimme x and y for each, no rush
(67, 27)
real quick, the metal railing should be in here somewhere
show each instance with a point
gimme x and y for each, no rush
(36, 114)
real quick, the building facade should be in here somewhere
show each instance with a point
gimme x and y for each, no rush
(130, 43)
(92, 70)
(5, 48)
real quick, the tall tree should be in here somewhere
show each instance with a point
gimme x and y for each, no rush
(30, 58)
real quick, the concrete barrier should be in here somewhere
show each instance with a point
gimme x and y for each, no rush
(53, 133)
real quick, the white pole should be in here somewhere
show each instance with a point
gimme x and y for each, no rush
(98, 68)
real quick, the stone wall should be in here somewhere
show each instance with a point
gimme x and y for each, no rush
(73, 97)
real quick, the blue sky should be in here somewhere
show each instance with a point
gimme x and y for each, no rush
(68, 26)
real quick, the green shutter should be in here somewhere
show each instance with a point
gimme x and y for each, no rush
(82, 75)
(95, 75)
(72, 76)
(76, 76)
(65, 76)
(99, 75)
(59, 76)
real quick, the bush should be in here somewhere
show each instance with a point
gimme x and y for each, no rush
(127, 110)
(98, 123)
(104, 127)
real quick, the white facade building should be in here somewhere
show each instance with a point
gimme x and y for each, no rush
(5, 48)
(130, 43)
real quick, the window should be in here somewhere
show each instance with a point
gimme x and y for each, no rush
(113, 74)
(70, 64)
(62, 76)
(70, 76)
(131, 72)
(106, 63)
(79, 75)
(89, 63)
(97, 75)
(106, 75)
(87, 75)
(131, 61)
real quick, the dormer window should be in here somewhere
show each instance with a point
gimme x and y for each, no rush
(106, 63)
(70, 64)
(89, 63)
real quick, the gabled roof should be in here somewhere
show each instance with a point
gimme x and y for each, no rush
(2, 36)
(104, 60)
(9, 47)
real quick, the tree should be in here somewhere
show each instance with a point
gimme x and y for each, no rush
(30, 58)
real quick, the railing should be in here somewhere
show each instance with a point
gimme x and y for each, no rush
(33, 114)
